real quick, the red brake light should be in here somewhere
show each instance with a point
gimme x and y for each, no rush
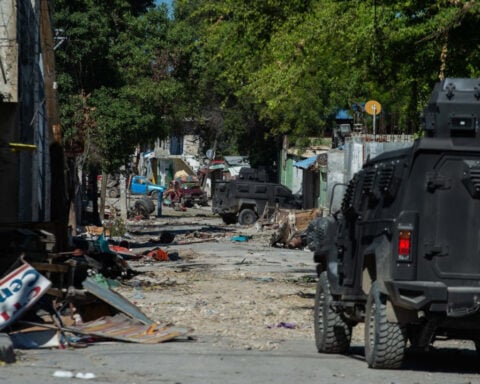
(404, 245)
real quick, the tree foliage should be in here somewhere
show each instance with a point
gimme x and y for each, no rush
(114, 75)
(248, 72)
(285, 67)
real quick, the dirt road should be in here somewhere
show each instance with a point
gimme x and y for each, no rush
(230, 285)
(250, 308)
(242, 294)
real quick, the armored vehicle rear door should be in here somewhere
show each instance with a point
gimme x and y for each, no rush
(449, 220)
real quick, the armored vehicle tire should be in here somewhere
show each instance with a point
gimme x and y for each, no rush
(385, 342)
(332, 333)
(229, 219)
(247, 217)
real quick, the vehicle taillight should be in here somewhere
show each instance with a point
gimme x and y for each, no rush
(404, 245)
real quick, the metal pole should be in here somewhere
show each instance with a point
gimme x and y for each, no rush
(159, 203)
(374, 107)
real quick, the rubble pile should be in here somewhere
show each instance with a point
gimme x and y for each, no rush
(91, 293)
(291, 226)
(68, 299)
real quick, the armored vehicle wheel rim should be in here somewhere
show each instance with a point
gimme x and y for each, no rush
(247, 217)
(385, 342)
(333, 333)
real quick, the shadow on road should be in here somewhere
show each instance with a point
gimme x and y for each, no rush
(438, 360)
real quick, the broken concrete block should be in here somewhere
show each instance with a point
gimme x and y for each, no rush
(7, 354)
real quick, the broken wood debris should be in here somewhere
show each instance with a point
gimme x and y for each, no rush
(291, 226)
(46, 296)
(123, 328)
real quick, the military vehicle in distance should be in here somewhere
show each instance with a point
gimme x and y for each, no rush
(245, 199)
(402, 254)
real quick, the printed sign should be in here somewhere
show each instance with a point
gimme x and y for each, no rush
(19, 290)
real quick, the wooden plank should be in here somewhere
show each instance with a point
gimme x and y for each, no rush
(47, 267)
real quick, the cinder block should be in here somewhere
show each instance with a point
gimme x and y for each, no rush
(7, 354)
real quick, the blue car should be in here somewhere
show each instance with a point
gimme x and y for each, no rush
(140, 185)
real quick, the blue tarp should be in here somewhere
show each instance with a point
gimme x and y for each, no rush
(305, 163)
(343, 114)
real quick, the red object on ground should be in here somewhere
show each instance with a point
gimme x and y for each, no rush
(124, 252)
(159, 255)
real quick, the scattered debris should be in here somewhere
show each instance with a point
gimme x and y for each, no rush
(123, 328)
(124, 252)
(35, 337)
(240, 238)
(51, 300)
(283, 324)
(70, 374)
(7, 353)
(292, 225)
(158, 255)
(115, 300)
(75, 298)
(20, 290)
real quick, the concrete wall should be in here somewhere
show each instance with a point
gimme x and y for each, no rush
(297, 179)
(24, 174)
(343, 164)
(335, 175)
(291, 177)
(187, 145)
(8, 52)
(357, 152)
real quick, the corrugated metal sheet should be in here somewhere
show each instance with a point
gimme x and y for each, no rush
(115, 300)
(123, 328)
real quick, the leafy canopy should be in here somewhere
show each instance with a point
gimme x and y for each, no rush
(248, 72)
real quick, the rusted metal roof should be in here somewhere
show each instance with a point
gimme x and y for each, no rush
(122, 328)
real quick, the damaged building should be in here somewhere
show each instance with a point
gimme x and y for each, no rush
(31, 154)
(47, 278)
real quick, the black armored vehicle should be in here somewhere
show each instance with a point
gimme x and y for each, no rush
(245, 199)
(402, 254)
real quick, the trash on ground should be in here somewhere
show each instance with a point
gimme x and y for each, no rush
(292, 225)
(122, 328)
(240, 238)
(283, 325)
(57, 299)
(20, 290)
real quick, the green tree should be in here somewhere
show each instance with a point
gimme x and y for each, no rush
(284, 67)
(115, 81)
(248, 72)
